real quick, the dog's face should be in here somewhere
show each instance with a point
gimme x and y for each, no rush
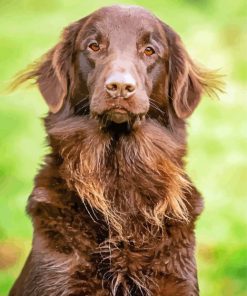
(125, 53)
(118, 65)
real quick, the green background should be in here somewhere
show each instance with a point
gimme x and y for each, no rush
(214, 33)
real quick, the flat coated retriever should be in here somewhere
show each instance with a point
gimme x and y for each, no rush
(112, 208)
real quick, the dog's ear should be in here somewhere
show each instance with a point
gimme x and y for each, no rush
(186, 81)
(52, 72)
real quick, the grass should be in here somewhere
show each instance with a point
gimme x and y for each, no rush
(213, 32)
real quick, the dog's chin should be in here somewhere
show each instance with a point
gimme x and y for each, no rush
(119, 121)
(118, 116)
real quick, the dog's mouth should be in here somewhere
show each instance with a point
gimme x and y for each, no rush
(118, 115)
(119, 120)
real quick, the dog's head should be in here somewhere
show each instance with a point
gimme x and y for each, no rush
(118, 65)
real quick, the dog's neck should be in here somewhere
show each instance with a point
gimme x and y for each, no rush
(134, 181)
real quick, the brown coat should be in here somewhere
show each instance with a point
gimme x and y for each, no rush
(112, 209)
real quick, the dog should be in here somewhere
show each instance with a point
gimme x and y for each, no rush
(113, 209)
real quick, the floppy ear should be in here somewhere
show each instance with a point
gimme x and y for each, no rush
(187, 81)
(52, 72)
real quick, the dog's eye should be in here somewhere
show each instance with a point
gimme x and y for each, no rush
(94, 45)
(149, 51)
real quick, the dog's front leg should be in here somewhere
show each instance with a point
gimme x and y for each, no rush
(49, 274)
(61, 261)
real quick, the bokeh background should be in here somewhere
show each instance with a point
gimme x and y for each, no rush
(214, 33)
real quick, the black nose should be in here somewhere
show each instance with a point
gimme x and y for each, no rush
(120, 85)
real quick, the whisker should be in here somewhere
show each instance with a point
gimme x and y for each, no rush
(81, 107)
(153, 104)
(82, 100)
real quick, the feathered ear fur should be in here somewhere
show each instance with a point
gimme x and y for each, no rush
(52, 72)
(187, 81)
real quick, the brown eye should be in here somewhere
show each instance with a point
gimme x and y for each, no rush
(94, 46)
(149, 51)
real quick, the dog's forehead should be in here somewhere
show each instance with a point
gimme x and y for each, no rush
(118, 18)
(120, 13)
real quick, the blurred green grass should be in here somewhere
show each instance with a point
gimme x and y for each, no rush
(214, 33)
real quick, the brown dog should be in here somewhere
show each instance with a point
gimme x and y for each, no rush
(112, 208)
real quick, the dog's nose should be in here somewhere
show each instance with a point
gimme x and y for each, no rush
(120, 85)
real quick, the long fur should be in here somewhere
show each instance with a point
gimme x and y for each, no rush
(114, 212)
(138, 164)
